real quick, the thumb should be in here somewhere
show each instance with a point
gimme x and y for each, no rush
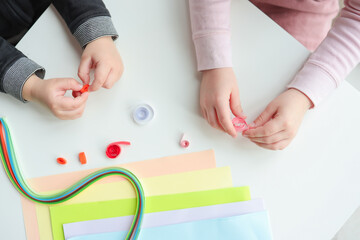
(235, 104)
(69, 84)
(264, 117)
(84, 69)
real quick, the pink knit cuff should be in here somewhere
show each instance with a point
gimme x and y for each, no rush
(213, 51)
(314, 81)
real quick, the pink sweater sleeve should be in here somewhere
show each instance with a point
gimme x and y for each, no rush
(336, 56)
(210, 23)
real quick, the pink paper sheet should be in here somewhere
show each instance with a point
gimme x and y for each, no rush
(143, 169)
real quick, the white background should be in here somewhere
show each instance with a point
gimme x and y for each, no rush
(310, 188)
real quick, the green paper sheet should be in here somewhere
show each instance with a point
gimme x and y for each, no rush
(124, 207)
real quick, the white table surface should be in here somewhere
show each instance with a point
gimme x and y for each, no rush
(310, 189)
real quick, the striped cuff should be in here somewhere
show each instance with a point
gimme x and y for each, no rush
(95, 28)
(18, 73)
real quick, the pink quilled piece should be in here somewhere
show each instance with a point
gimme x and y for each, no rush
(240, 124)
(184, 142)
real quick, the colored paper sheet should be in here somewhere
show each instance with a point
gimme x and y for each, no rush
(157, 219)
(143, 169)
(30, 219)
(252, 226)
(168, 184)
(44, 221)
(207, 179)
(124, 207)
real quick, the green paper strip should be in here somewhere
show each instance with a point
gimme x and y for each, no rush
(124, 207)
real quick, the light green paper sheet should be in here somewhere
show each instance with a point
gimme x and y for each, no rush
(124, 207)
(201, 180)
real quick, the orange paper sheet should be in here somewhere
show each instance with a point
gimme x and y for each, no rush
(143, 169)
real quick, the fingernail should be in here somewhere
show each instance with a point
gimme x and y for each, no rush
(252, 125)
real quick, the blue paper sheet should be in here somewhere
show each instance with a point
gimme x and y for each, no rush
(252, 226)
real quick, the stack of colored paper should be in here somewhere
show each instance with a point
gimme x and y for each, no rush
(187, 197)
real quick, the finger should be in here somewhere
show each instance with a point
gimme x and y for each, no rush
(69, 84)
(281, 145)
(212, 119)
(71, 115)
(223, 114)
(273, 126)
(203, 113)
(235, 104)
(84, 69)
(277, 137)
(70, 104)
(111, 79)
(101, 74)
(265, 116)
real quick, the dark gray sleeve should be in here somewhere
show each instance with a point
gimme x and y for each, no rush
(15, 69)
(87, 20)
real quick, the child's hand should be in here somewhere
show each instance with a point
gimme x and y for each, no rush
(102, 55)
(51, 93)
(278, 124)
(219, 94)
